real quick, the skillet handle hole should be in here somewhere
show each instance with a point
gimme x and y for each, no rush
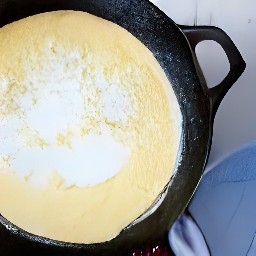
(213, 62)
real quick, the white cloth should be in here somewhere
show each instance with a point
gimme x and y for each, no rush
(186, 238)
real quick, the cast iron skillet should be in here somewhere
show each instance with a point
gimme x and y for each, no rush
(173, 47)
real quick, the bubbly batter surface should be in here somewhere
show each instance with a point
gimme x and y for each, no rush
(89, 127)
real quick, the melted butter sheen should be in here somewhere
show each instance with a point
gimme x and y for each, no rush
(90, 127)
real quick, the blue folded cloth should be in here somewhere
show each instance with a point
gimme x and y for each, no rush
(224, 208)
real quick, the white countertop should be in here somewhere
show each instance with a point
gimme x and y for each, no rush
(235, 122)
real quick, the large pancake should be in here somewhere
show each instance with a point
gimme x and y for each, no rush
(90, 127)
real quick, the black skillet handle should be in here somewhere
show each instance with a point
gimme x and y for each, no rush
(196, 34)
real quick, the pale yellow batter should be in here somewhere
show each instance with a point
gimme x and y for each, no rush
(78, 96)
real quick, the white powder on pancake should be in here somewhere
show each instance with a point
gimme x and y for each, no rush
(60, 125)
(91, 160)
